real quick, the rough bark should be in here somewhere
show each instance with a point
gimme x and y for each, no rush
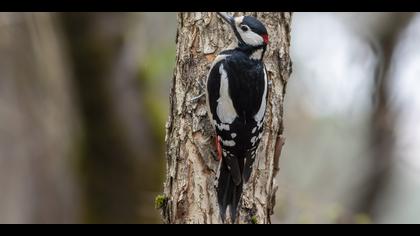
(189, 194)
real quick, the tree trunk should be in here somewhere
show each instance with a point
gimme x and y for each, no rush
(190, 193)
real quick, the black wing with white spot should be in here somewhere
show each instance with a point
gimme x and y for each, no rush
(236, 98)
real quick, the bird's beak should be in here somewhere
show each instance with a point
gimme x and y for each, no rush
(226, 17)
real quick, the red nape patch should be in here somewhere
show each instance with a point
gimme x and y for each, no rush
(265, 37)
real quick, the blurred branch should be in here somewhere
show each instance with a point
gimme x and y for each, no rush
(38, 123)
(117, 148)
(382, 118)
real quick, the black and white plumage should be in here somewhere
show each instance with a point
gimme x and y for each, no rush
(236, 100)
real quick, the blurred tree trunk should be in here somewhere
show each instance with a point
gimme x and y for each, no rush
(382, 133)
(38, 123)
(189, 195)
(117, 142)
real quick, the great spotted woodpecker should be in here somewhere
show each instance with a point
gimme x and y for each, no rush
(236, 93)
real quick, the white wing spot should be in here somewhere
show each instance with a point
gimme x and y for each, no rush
(260, 114)
(233, 135)
(222, 126)
(253, 140)
(254, 129)
(225, 110)
(228, 143)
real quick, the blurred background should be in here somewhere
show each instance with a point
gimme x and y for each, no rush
(84, 101)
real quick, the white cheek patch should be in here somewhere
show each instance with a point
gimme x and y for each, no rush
(248, 37)
(251, 38)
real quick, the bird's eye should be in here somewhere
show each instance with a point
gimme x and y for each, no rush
(244, 28)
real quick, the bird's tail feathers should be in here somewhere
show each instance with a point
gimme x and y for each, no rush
(228, 193)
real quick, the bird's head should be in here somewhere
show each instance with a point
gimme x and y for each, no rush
(248, 30)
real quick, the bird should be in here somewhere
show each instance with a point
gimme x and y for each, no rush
(236, 98)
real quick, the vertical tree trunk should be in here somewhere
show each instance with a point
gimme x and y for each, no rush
(190, 194)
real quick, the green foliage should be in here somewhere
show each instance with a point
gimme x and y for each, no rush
(362, 219)
(254, 220)
(160, 201)
(159, 63)
(155, 72)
